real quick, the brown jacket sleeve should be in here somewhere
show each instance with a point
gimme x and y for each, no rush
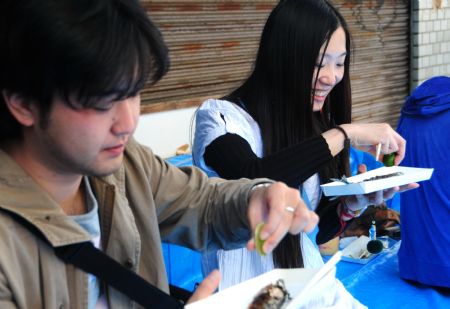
(192, 209)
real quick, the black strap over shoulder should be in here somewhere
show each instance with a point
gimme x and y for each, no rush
(92, 260)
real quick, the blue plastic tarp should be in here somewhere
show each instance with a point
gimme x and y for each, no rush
(378, 284)
(183, 265)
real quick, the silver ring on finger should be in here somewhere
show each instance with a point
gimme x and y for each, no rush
(290, 209)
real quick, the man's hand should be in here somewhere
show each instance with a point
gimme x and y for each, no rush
(206, 287)
(282, 210)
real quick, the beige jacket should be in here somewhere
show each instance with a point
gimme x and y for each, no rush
(145, 201)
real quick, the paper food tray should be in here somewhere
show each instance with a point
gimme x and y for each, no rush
(354, 248)
(298, 281)
(358, 186)
(357, 245)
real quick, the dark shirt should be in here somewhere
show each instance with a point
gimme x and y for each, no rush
(231, 157)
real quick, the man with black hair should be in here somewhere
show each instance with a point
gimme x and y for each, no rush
(70, 172)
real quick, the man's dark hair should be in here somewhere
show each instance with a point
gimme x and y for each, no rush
(79, 49)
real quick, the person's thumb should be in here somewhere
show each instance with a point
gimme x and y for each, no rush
(206, 287)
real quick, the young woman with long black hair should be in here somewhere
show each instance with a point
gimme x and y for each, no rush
(290, 121)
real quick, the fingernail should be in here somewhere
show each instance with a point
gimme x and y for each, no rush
(264, 235)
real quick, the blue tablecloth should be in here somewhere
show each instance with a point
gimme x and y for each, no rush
(378, 284)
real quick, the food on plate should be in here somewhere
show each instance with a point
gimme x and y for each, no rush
(259, 243)
(383, 176)
(272, 296)
(345, 180)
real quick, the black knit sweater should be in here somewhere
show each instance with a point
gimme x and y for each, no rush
(231, 157)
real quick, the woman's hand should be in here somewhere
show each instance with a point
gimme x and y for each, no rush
(282, 210)
(360, 201)
(366, 136)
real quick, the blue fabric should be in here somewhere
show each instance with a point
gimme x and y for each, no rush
(358, 157)
(425, 123)
(183, 265)
(377, 284)
(430, 98)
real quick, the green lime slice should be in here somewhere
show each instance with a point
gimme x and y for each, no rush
(388, 159)
(259, 243)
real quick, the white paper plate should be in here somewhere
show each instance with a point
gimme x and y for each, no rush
(299, 282)
(350, 252)
(358, 186)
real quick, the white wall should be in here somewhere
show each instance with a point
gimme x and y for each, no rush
(164, 132)
(430, 35)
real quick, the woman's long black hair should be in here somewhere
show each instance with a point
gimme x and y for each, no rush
(278, 93)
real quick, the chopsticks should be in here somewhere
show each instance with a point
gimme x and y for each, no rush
(377, 156)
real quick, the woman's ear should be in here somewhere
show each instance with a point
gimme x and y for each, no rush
(20, 107)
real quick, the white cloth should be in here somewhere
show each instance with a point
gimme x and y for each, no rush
(240, 264)
(311, 186)
(215, 118)
(332, 294)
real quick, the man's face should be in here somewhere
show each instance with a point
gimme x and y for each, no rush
(86, 141)
(331, 70)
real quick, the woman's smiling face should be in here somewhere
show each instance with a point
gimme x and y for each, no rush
(331, 70)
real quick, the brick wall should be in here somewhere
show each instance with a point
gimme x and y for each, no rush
(430, 40)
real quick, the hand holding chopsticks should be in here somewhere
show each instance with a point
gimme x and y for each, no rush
(377, 138)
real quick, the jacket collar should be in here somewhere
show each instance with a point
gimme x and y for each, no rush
(26, 199)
